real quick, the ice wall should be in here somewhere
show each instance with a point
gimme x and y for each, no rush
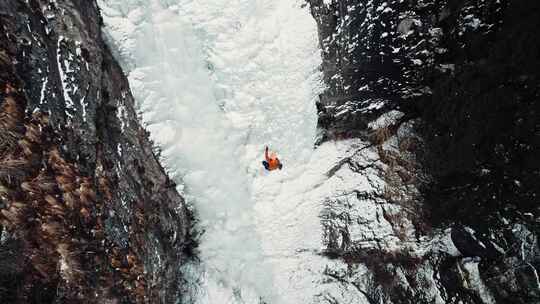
(215, 82)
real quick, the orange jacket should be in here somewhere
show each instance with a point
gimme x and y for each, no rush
(273, 161)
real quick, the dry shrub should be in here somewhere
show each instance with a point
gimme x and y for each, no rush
(4, 58)
(70, 269)
(407, 178)
(10, 114)
(13, 216)
(33, 133)
(87, 195)
(387, 157)
(52, 229)
(53, 208)
(380, 135)
(8, 139)
(398, 223)
(11, 167)
(57, 212)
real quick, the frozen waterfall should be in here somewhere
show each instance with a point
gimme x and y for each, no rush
(216, 81)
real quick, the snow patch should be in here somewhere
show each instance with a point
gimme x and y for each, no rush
(386, 120)
(63, 69)
(474, 282)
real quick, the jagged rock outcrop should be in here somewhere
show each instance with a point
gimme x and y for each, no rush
(87, 213)
(436, 105)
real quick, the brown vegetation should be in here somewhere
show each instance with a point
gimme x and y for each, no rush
(57, 214)
(403, 177)
(381, 135)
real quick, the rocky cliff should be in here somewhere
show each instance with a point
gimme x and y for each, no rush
(437, 104)
(87, 213)
(428, 144)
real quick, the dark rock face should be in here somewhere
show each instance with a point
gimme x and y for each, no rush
(462, 77)
(87, 213)
(482, 121)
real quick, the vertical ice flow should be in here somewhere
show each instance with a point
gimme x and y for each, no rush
(216, 80)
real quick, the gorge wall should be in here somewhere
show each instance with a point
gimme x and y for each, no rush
(443, 96)
(88, 215)
(429, 135)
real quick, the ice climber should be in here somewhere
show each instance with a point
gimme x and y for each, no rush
(271, 162)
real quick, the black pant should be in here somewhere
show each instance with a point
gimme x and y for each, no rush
(266, 164)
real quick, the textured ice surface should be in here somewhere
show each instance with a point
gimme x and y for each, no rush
(215, 81)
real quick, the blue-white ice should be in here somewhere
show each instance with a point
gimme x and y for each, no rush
(216, 81)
